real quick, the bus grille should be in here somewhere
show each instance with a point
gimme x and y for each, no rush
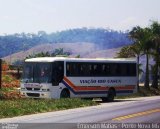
(33, 89)
(29, 88)
(33, 94)
(36, 88)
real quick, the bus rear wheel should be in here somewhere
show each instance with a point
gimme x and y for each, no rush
(65, 93)
(110, 96)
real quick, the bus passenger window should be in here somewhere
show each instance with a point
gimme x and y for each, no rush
(94, 69)
(123, 69)
(81, 70)
(114, 70)
(60, 71)
(68, 70)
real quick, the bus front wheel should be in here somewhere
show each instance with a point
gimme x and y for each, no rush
(65, 93)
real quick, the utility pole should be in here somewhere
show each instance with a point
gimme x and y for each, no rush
(0, 73)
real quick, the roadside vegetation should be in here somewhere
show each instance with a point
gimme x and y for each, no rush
(56, 52)
(146, 42)
(10, 83)
(19, 107)
(143, 92)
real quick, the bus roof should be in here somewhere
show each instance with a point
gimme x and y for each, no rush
(68, 59)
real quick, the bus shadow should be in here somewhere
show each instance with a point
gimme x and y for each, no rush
(119, 100)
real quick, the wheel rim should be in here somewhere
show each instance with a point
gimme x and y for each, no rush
(64, 94)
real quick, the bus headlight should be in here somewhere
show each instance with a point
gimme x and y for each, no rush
(22, 88)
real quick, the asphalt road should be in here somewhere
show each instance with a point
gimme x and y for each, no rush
(130, 113)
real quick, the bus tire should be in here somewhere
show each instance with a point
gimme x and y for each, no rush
(65, 93)
(104, 99)
(111, 94)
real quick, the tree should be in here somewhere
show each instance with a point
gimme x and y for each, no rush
(56, 52)
(78, 56)
(137, 47)
(142, 45)
(135, 34)
(60, 52)
(133, 50)
(155, 27)
(41, 54)
(147, 46)
(125, 52)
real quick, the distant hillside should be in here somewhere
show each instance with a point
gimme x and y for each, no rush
(75, 49)
(102, 38)
(88, 50)
(109, 53)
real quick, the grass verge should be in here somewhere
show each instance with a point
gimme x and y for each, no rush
(143, 92)
(19, 107)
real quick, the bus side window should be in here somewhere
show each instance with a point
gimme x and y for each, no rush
(123, 69)
(105, 69)
(82, 68)
(94, 70)
(68, 69)
(132, 69)
(86, 69)
(71, 69)
(114, 69)
(58, 72)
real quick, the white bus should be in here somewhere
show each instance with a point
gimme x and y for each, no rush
(60, 77)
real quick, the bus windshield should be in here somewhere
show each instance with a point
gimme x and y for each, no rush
(37, 73)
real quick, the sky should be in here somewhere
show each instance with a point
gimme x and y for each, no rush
(31, 16)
